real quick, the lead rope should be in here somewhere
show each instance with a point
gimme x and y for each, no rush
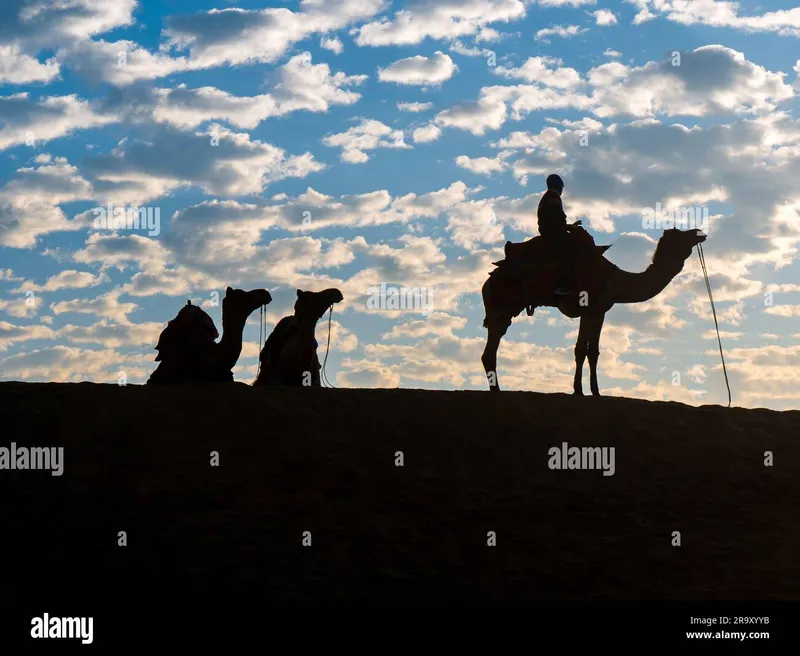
(713, 310)
(323, 375)
(262, 332)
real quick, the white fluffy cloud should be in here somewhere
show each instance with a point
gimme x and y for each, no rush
(478, 117)
(17, 67)
(414, 107)
(299, 85)
(217, 160)
(482, 165)
(604, 17)
(33, 25)
(239, 36)
(708, 80)
(367, 135)
(427, 133)
(719, 13)
(419, 70)
(33, 122)
(438, 19)
(332, 43)
(30, 203)
(563, 31)
(219, 37)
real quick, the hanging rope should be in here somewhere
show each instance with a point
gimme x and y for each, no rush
(716, 323)
(262, 333)
(323, 375)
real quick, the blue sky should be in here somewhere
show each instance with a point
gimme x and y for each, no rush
(415, 138)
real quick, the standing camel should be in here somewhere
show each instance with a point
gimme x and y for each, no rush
(506, 293)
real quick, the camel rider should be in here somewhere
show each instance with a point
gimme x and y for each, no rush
(554, 229)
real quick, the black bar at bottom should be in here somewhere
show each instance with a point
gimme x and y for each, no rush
(119, 621)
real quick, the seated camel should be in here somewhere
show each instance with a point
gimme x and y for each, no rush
(289, 356)
(187, 350)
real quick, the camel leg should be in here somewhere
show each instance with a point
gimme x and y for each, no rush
(580, 355)
(497, 329)
(593, 351)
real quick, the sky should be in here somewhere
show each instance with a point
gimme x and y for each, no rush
(358, 143)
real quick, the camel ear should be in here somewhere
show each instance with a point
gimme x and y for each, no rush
(229, 290)
(299, 293)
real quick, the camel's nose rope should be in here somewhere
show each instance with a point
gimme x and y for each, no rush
(323, 375)
(710, 298)
(262, 332)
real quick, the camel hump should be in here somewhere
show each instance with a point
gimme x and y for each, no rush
(191, 329)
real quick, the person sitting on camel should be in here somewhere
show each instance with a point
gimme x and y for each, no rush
(554, 229)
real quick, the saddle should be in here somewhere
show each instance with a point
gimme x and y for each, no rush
(529, 268)
(191, 330)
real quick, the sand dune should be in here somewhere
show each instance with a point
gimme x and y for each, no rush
(319, 460)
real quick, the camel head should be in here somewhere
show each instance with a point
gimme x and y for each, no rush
(676, 246)
(242, 304)
(312, 305)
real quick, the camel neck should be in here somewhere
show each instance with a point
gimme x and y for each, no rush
(640, 287)
(231, 342)
(306, 324)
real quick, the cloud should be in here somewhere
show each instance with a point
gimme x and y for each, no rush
(709, 80)
(18, 68)
(217, 160)
(11, 334)
(31, 26)
(215, 38)
(33, 122)
(419, 70)
(205, 238)
(469, 51)
(120, 63)
(23, 307)
(106, 305)
(426, 134)
(605, 17)
(367, 135)
(334, 44)
(439, 323)
(565, 32)
(30, 202)
(437, 19)
(69, 364)
(565, 3)
(545, 71)
(482, 165)
(476, 116)
(239, 36)
(299, 85)
(414, 107)
(720, 13)
(66, 279)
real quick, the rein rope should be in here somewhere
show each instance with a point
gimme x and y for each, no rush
(323, 376)
(262, 333)
(716, 323)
